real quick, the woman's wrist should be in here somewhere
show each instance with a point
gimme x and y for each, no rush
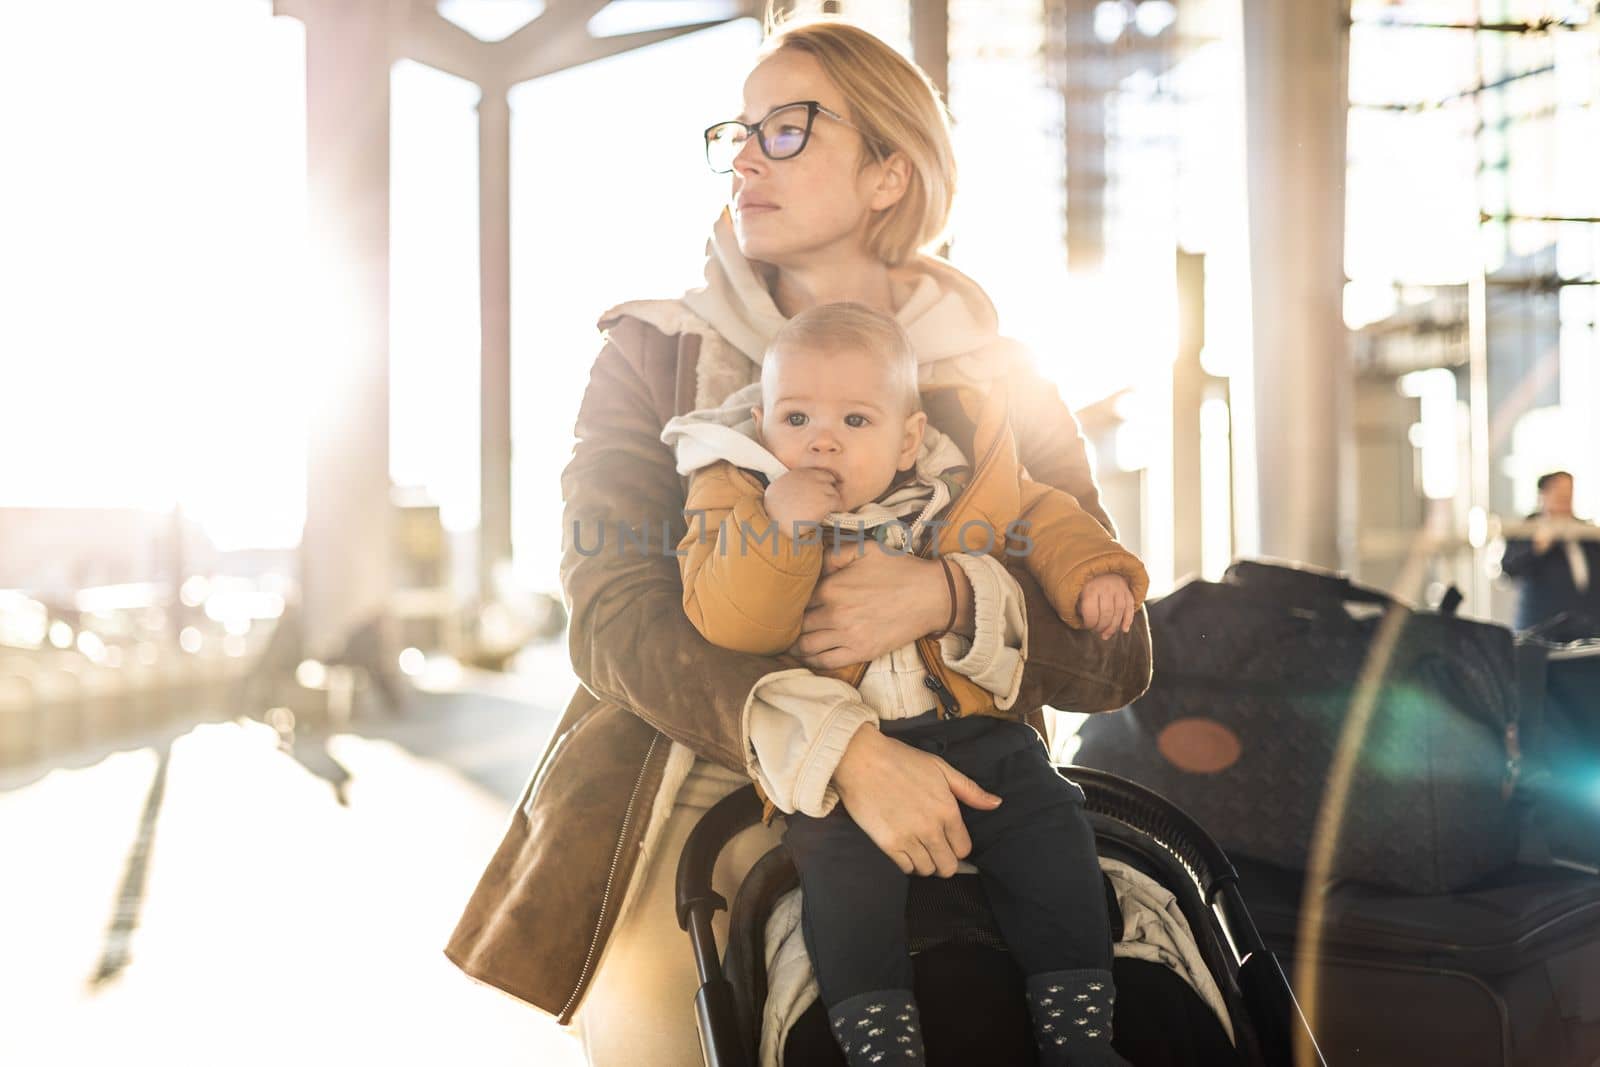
(958, 585)
(857, 757)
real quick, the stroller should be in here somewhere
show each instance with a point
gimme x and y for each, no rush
(1160, 1019)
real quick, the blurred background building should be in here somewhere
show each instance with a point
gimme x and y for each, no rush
(297, 302)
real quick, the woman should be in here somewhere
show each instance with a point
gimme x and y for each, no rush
(841, 170)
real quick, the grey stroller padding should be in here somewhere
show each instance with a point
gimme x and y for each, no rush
(1150, 926)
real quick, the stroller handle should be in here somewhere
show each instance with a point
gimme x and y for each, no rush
(731, 814)
(1280, 1026)
(1148, 811)
(696, 903)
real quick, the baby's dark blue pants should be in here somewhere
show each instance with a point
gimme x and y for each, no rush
(1035, 853)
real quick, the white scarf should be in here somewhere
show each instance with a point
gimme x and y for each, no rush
(953, 326)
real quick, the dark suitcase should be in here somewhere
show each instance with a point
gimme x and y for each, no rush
(1254, 678)
(1562, 744)
(1503, 974)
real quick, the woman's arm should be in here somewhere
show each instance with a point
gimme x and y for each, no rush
(799, 724)
(630, 640)
(870, 601)
(1073, 670)
(881, 601)
(994, 650)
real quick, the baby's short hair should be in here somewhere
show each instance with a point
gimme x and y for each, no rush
(853, 325)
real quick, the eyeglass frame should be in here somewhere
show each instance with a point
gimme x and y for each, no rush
(813, 109)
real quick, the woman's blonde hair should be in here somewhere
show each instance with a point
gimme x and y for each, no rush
(897, 109)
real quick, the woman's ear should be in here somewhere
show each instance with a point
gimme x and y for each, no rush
(894, 178)
(911, 444)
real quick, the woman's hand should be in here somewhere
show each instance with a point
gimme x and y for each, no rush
(870, 601)
(907, 802)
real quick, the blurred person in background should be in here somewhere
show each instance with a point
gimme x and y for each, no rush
(1557, 569)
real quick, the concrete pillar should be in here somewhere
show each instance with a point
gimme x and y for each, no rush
(1086, 77)
(1188, 393)
(346, 549)
(1296, 102)
(494, 253)
(930, 41)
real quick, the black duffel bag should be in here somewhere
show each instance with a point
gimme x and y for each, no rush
(1254, 679)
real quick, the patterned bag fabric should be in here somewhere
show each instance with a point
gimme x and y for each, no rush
(1254, 681)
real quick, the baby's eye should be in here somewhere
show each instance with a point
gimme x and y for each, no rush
(795, 418)
(857, 421)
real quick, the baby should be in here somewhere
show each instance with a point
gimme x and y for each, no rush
(837, 448)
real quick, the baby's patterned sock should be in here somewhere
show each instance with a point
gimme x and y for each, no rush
(1071, 1013)
(881, 1027)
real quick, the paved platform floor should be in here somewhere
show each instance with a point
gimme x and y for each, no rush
(206, 897)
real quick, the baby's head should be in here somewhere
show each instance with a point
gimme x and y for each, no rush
(839, 392)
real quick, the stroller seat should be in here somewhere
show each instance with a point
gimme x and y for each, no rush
(1145, 921)
(1200, 990)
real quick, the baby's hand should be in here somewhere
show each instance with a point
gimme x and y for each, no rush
(802, 495)
(1107, 605)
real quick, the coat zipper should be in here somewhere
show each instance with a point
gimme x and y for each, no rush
(952, 706)
(605, 897)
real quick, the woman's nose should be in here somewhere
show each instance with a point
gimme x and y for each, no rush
(750, 158)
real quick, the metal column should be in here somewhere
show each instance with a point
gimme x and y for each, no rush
(1296, 100)
(494, 251)
(346, 548)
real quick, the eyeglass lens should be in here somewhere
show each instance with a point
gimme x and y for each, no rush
(783, 132)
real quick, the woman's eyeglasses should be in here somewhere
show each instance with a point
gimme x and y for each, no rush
(783, 134)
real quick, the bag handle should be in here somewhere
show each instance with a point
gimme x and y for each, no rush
(1317, 587)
